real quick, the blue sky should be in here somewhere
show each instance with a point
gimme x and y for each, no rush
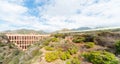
(51, 15)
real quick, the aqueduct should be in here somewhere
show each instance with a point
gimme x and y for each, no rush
(22, 41)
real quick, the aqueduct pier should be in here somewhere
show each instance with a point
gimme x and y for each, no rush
(22, 41)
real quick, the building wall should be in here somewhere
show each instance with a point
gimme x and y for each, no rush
(24, 40)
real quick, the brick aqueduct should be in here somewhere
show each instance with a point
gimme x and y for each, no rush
(24, 40)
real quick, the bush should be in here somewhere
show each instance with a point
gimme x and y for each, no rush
(117, 46)
(49, 48)
(90, 44)
(78, 39)
(73, 50)
(54, 39)
(68, 54)
(34, 52)
(89, 37)
(51, 56)
(64, 55)
(46, 42)
(74, 60)
(100, 57)
(59, 35)
(1, 45)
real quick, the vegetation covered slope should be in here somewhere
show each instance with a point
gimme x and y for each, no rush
(87, 48)
(7, 50)
(10, 54)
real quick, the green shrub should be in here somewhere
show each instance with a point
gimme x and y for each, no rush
(54, 39)
(34, 52)
(117, 46)
(59, 35)
(64, 55)
(74, 60)
(73, 50)
(65, 46)
(100, 57)
(90, 44)
(14, 61)
(89, 37)
(51, 56)
(68, 54)
(46, 42)
(49, 48)
(78, 39)
(1, 44)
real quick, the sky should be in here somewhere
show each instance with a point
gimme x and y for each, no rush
(52, 15)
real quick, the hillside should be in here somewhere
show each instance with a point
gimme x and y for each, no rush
(88, 48)
(8, 50)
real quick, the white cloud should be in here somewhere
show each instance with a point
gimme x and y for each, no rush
(11, 12)
(60, 14)
(14, 14)
(104, 12)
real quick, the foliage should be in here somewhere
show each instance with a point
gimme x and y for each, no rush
(51, 56)
(1, 44)
(7, 50)
(78, 39)
(67, 54)
(35, 52)
(59, 35)
(100, 57)
(46, 42)
(54, 39)
(106, 39)
(74, 60)
(89, 37)
(117, 46)
(26, 56)
(64, 55)
(90, 44)
(73, 50)
(49, 48)
(65, 46)
(14, 61)
(69, 48)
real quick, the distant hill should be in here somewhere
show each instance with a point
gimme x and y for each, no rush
(82, 28)
(65, 29)
(25, 31)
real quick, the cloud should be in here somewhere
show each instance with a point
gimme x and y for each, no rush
(11, 12)
(16, 16)
(91, 13)
(51, 15)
